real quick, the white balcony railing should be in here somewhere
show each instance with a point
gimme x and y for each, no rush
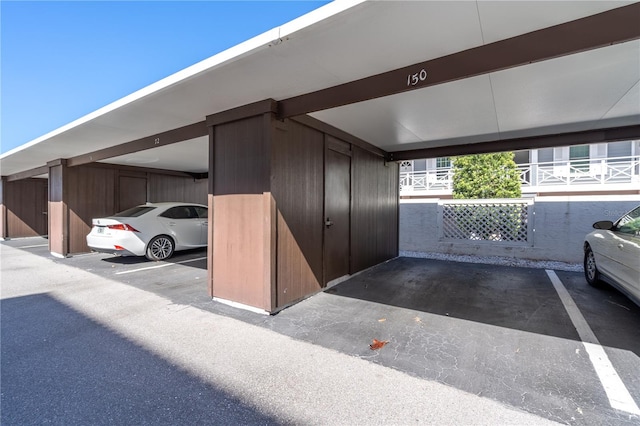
(622, 172)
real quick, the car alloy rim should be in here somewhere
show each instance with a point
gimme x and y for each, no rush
(161, 248)
(591, 265)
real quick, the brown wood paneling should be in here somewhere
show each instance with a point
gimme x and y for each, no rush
(238, 247)
(3, 209)
(389, 205)
(176, 188)
(337, 198)
(98, 190)
(26, 203)
(58, 214)
(374, 216)
(338, 134)
(91, 192)
(242, 228)
(267, 197)
(210, 200)
(132, 191)
(241, 160)
(297, 188)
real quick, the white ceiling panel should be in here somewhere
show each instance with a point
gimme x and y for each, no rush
(190, 156)
(457, 109)
(504, 19)
(628, 105)
(376, 37)
(572, 89)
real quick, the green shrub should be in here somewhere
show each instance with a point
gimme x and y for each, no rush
(486, 176)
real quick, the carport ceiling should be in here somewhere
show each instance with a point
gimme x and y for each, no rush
(347, 41)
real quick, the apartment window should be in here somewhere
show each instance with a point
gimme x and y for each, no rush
(620, 151)
(406, 166)
(443, 164)
(579, 158)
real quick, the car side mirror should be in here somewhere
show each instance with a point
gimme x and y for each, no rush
(603, 224)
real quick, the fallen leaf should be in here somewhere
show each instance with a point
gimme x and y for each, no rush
(382, 320)
(417, 319)
(377, 344)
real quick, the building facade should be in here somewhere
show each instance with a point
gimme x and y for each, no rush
(606, 168)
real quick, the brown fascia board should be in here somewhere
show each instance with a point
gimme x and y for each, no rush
(137, 169)
(45, 169)
(239, 113)
(28, 173)
(592, 32)
(180, 134)
(613, 134)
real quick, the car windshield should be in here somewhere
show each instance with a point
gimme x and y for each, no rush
(135, 211)
(630, 222)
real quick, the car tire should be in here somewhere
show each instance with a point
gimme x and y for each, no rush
(591, 272)
(160, 248)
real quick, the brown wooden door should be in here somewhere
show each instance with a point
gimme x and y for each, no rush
(337, 199)
(42, 207)
(133, 192)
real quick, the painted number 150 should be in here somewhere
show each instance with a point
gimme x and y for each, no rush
(413, 79)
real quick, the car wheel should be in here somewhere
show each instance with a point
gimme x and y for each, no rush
(591, 272)
(160, 248)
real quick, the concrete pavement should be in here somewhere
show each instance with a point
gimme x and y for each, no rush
(78, 348)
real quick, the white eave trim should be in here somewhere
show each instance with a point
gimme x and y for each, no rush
(227, 56)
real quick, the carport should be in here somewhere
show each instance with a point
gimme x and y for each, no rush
(298, 131)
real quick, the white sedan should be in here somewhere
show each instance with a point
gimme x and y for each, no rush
(154, 230)
(612, 254)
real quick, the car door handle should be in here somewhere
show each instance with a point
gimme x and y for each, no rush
(172, 223)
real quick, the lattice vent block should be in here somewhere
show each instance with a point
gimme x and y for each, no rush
(505, 222)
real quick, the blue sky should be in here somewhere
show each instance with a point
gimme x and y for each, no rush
(62, 60)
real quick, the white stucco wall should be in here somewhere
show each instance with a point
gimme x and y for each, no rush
(560, 225)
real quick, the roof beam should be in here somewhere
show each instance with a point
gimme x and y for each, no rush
(43, 170)
(592, 32)
(613, 134)
(180, 134)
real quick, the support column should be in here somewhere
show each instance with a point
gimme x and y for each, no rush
(58, 208)
(241, 235)
(3, 210)
(210, 210)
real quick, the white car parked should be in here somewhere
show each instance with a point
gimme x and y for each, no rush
(612, 254)
(154, 230)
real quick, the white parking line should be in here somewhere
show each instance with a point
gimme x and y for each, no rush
(619, 396)
(159, 266)
(34, 246)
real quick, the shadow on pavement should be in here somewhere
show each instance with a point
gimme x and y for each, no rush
(60, 367)
(183, 257)
(517, 298)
